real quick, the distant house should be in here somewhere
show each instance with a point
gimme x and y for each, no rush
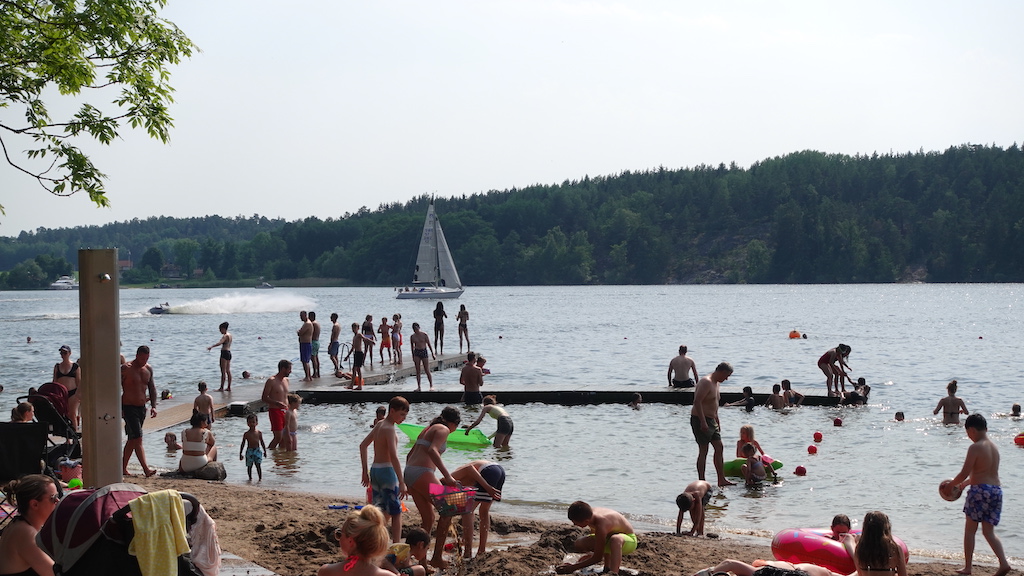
(172, 271)
(123, 265)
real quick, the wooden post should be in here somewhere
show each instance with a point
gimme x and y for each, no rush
(100, 330)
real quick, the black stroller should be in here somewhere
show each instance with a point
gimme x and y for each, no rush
(90, 531)
(51, 407)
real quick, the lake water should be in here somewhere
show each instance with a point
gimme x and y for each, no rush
(908, 341)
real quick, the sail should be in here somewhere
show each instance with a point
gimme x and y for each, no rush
(426, 271)
(448, 276)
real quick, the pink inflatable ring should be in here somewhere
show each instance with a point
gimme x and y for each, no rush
(816, 546)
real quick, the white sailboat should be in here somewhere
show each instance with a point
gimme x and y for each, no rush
(435, 275)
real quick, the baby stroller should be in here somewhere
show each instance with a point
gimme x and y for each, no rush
(51, 406)
(90, 531)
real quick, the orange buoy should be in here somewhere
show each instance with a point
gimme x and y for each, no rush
(1019, 440)
(794, 335)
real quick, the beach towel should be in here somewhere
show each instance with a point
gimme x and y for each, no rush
(205, 546)
(159, 520)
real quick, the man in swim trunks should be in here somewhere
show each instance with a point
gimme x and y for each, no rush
(335, 346)
(275, 394)
(611, 537)
(682, 365)
(136, 381)
(305, 333)
(315, 352)
(984, 502)
(420, 343)
(704, 421)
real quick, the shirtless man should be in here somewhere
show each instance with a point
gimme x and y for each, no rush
(335, 346)
(984, 502)
(275, 394)
(682, 365)
(420, 343)
(705, 423)
(611, 537)
(136, 380)
(315, 353)
(225, 355)
(305, 333)
(368, 333)
(951, 406)
(472, 378)
(357, 363)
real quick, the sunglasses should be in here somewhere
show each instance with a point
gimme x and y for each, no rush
(55, 498)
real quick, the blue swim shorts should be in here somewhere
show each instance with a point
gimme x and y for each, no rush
(984, 503)
(384, 488)
(253, 456)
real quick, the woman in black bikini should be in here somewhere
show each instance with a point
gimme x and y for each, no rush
(69, 374)
(463, 317)
(36, 497)
(439, 316)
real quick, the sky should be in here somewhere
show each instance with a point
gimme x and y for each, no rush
(321, 107)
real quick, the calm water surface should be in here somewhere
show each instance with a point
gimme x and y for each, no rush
(908, 341)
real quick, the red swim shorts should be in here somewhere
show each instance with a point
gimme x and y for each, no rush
(277, 419)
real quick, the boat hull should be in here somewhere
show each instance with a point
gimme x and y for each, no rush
(430, 293)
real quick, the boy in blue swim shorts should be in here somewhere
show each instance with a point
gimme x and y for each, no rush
(984, 501)
(384, 478)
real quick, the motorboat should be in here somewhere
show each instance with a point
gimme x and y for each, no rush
(264, 286)
(435, 275)
(64, 283)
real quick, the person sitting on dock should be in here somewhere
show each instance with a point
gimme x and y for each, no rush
(681, 366)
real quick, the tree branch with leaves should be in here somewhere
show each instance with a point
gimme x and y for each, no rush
(115, 49)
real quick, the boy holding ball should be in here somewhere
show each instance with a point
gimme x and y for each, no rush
(984, 502)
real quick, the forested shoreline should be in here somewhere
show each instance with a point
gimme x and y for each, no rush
(807, 217)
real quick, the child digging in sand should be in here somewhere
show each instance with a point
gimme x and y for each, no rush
(695, 498)
(399, 559)
(611, 537)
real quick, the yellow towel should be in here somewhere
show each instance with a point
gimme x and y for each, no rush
(159, 519)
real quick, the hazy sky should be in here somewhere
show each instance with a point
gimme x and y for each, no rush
(318, 108)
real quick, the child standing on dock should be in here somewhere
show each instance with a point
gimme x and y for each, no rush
(359, 357)
(385, 339)
(252, 438)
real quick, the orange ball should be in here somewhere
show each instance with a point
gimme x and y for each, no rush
(812, 449)
(817, 436)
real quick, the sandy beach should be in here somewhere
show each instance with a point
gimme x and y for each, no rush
(287, 532)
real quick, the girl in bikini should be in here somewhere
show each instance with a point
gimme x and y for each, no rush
(505, 427)
(833, 365)
(439, 316)
(420, 465)
(463, 317)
